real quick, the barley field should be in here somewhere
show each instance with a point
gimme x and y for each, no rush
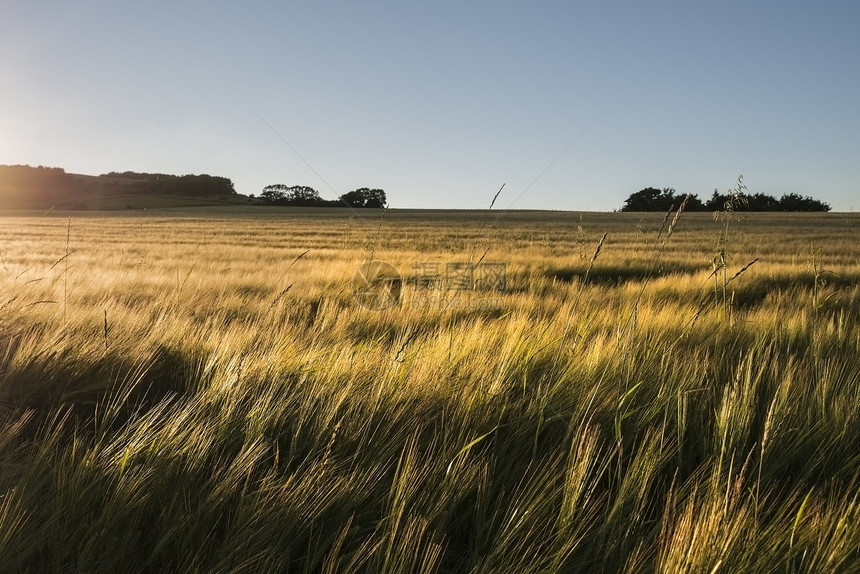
(202, 391)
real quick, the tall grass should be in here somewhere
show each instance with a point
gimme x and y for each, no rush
(175, 403)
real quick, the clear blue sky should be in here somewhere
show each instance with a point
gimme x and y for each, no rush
(572, 104)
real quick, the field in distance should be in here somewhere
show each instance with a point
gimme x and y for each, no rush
(200, 390)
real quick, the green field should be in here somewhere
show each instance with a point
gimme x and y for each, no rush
(200, 391)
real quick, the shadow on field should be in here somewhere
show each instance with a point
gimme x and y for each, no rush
(833, 290)
(63, 380)
(620, 274)
(748, 290)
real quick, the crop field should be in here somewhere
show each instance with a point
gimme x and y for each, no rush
(223, 390)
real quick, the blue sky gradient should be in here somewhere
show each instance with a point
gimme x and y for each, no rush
(572, 105)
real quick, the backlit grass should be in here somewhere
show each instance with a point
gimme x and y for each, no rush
(199, 391)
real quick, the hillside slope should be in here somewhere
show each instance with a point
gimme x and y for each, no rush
(26, 187)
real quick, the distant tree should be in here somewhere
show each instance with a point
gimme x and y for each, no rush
(364, 197)
(694, 203)
(297, 195)
(796, 202)
(303, 195)
(651, 199)
(274, 194)
(762, 202)
(716, 202)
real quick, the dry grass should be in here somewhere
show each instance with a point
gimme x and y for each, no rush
(189, 392)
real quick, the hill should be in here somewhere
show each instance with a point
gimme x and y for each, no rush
(26, 187)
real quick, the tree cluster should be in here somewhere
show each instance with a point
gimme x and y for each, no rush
(187, 185)
(364, 197)
(302, 195)
(280, 194)
(653, 199)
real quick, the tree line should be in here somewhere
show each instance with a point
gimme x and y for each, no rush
(42, 182)
(27, 187)
(653, 199)
(203, 185)
(304, 196)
